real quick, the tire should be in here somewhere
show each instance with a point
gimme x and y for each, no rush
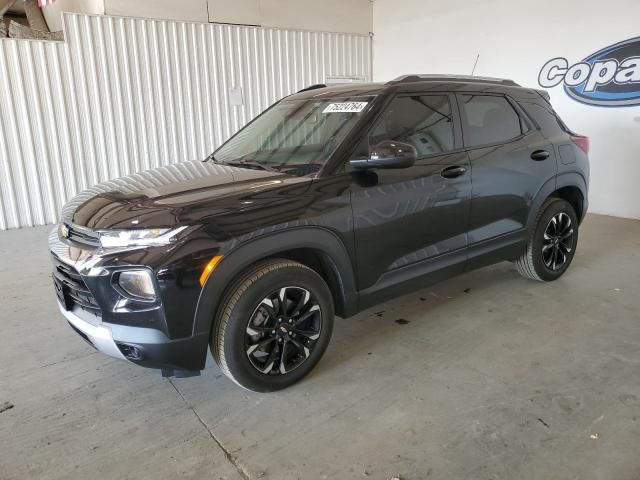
(536, 262)
(253, 305)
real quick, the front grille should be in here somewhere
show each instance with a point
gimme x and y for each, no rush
(71, 289)
(83, 236)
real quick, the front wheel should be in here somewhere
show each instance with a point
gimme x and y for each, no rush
(274, 326)
(552, 243)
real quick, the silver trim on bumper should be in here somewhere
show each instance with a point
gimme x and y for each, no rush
(99, 334)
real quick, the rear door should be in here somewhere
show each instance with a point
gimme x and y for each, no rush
(510, 163)
(406, 219)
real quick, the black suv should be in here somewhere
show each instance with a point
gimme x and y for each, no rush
(332, 200)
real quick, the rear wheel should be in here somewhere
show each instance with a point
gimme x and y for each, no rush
(552, 243)
(274, 326)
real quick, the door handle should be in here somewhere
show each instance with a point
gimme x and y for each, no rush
(539, 155)
(452, 171)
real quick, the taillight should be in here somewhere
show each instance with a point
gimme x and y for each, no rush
(582, 142)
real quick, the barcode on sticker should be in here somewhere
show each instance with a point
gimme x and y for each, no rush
(345, 107)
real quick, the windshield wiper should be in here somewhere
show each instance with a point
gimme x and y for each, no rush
(250, 164)
(301, 169)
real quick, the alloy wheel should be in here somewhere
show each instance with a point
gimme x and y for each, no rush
(558, 241)
(283, 330)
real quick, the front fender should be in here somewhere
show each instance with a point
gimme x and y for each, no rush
(241, 257)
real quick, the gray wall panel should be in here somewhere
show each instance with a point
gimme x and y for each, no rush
(123, 95)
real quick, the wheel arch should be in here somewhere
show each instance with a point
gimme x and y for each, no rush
(572, 187)
(315, 247)
(569, 186)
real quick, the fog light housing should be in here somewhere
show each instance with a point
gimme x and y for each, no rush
(138, 284)
(130, 351)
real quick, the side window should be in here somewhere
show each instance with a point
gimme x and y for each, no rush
(423, 121)
(489, 119)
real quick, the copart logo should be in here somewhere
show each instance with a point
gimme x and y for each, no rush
(608, 78)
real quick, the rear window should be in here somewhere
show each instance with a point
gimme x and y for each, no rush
(489, 119)
(550, 124)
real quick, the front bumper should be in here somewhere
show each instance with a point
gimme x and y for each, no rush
(144, 346)
(95, 333)
(114, 327)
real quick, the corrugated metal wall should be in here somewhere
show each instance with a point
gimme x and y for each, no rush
(123, 95)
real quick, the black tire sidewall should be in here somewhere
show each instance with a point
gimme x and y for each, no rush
(234, 334)
(556, 206)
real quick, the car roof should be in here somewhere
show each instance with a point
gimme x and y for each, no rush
(422, 83)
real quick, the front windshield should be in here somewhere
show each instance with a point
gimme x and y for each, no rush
(296, 136)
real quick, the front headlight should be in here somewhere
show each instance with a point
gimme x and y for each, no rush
(139, 238)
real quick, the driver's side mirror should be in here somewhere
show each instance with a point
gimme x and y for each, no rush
(388, 154)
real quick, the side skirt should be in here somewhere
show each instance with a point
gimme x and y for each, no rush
(412, 277)
(428, 272)
(495, 250)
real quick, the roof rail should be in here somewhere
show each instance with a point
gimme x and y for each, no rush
(312, 87)
(452, 78)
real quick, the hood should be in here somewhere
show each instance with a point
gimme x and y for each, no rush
(179, 194)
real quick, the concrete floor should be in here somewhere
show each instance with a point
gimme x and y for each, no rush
(493, 377)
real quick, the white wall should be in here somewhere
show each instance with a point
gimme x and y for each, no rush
(348, 16)
(187, 10)
(53, 12)
(353, 16)
(514, 39)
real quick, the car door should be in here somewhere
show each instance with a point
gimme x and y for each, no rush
(407, 218)
(510, 163)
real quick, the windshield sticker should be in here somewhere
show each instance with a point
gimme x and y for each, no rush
(346, 107)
